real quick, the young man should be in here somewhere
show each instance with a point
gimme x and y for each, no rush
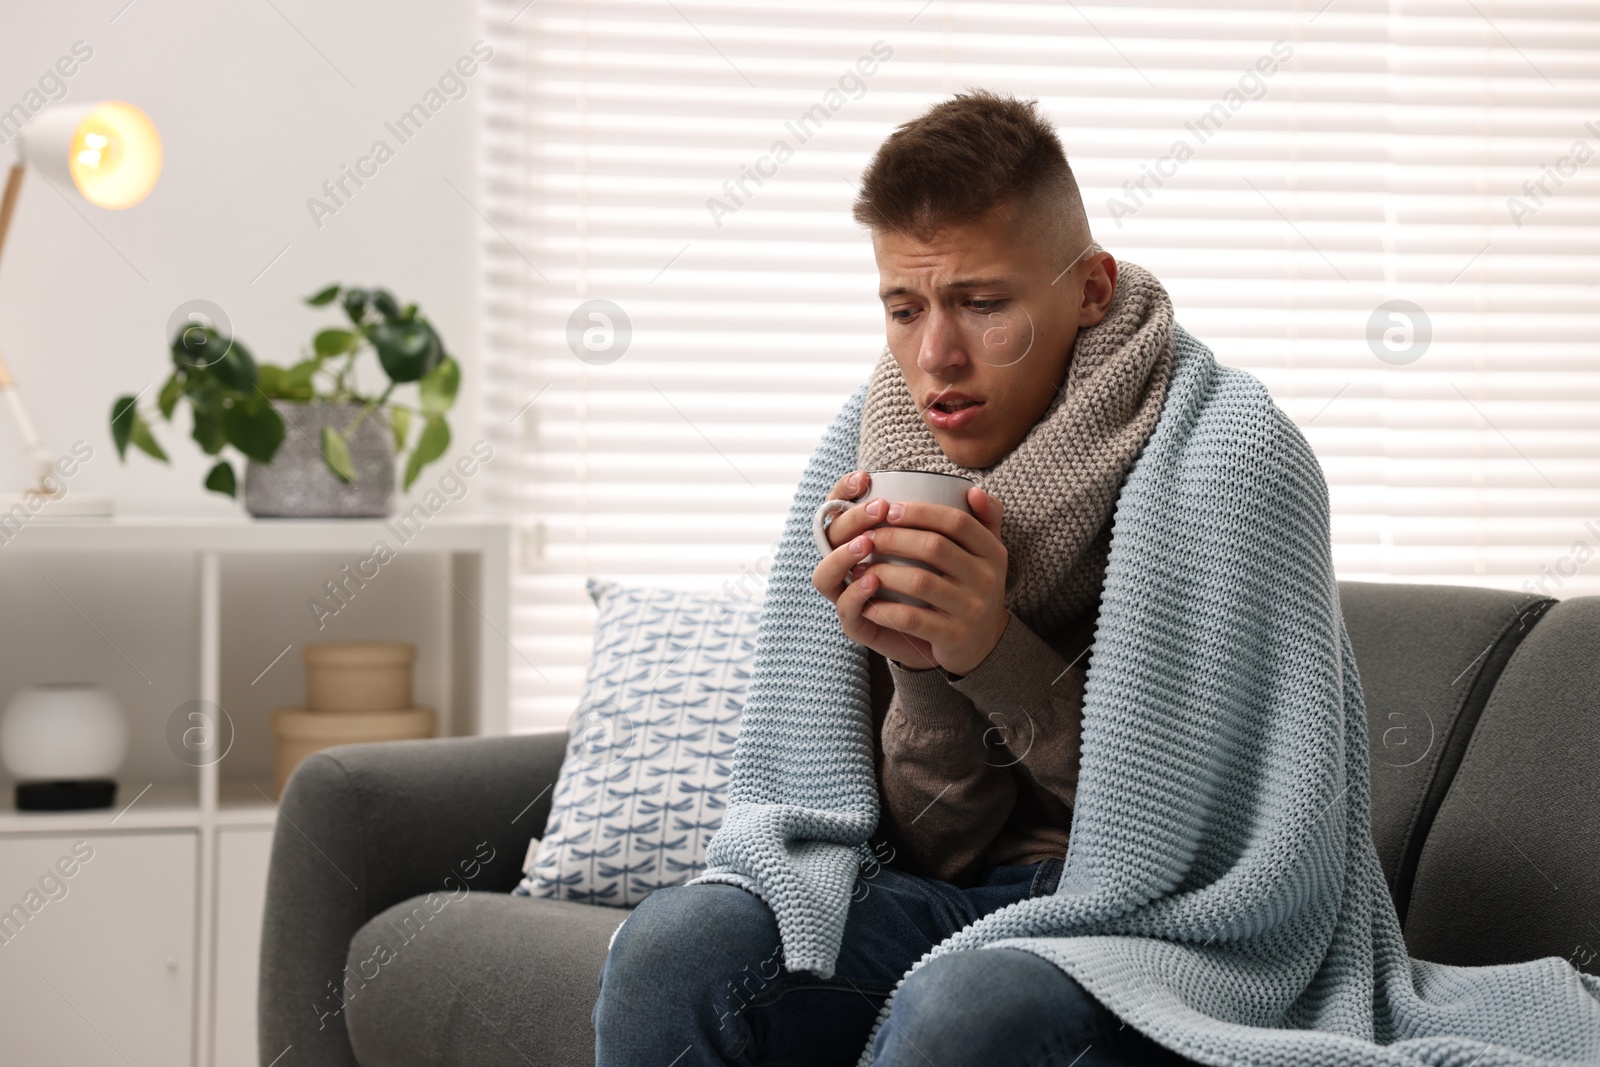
(1187, 833)
(987, 275)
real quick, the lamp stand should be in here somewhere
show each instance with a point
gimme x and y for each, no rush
(9, 203)
(42, 495)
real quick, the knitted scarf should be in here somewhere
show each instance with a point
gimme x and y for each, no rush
(1058, 485)
(1221, 892)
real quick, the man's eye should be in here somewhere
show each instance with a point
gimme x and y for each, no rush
(895, 315)
(985, 305)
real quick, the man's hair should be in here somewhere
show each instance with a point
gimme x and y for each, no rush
(961, 159)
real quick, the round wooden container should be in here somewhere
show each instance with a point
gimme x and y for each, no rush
(301, 731)
(359, 675)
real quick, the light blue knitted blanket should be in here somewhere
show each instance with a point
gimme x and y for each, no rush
(1221, 892)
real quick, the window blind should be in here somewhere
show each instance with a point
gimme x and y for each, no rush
(1389, 212)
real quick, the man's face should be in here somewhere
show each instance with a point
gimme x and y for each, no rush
(985, 312)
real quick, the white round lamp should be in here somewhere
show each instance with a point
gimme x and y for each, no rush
(63, 743)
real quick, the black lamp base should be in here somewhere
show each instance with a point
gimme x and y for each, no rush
(78, 795)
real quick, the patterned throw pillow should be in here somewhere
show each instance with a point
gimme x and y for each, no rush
(650, 746)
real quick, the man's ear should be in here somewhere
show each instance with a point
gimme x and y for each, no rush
(1099, 289)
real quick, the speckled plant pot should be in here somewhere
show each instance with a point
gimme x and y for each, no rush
(298, 484)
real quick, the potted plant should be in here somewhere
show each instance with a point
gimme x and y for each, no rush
(314, 442)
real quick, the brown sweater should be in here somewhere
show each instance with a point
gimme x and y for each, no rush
(981, 770)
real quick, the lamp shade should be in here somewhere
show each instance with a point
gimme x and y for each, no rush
(110, 151)
(63, 731)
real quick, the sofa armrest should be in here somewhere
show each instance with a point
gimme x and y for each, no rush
(363, 827)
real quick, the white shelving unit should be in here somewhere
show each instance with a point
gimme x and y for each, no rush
(167, 610)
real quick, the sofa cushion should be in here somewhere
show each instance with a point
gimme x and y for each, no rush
(1428, 655)
(486, 979)
(650, 745)
(1511, 869)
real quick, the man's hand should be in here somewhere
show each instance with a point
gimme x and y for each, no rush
(965, 591)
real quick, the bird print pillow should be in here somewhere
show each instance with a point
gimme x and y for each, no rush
(644, 783)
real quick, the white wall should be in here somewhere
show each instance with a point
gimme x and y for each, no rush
(253, 120)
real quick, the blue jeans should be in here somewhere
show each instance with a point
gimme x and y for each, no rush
(694, 977)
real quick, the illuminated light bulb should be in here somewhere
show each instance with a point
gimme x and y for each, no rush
(115, 155)
(90, 156)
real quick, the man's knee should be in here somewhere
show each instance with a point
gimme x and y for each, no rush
(687, 929)
(704, 950)
(978, 995)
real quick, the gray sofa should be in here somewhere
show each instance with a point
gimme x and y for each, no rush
(1482, 718)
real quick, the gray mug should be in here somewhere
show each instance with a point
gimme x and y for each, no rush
(896, 486)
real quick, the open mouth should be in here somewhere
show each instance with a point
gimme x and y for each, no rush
(953, 414)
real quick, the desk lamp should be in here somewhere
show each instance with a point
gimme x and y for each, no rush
(111, 154)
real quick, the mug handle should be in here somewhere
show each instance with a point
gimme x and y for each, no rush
(817, 529)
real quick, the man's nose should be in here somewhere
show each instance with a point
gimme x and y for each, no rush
(943, 344)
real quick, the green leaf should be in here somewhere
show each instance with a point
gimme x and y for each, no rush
(254, 427)
(200, 351)
(399, 422)
(435, 438)
(279, 383)
(326, 296)
(438, 387)
(197, 347)
(355, 304)
(336, 453)
(236, 368)
(123, 412)
(220, 479)
(201, 387)
(145, 441)
(299, 375)
(170, 393)
(335, 342)
(407, 350)
(383, 300)
(408, 313)
(269, 379)
(208, 430)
